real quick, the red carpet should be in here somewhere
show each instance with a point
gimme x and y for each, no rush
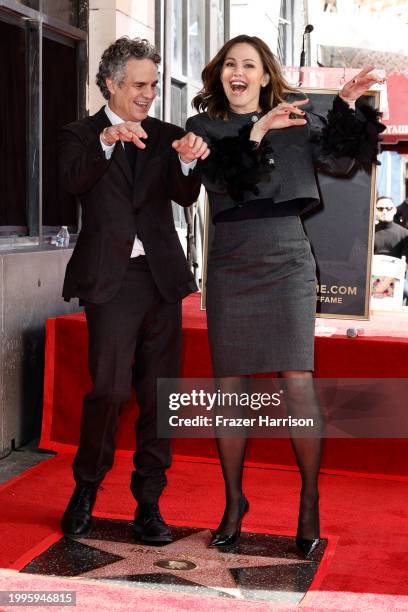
(365, 520)
(364, 515)
(381, 356)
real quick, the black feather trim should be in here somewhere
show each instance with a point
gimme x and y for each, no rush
(238, 165)
(354, 134)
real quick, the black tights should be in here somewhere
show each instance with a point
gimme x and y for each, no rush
(301, 402)
(231, 450)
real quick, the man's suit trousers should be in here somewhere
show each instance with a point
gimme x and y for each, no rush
(134, 337)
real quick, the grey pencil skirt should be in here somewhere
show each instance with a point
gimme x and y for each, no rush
(261, 297)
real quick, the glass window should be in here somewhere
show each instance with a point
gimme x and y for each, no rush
(13, 145)
(220, 23)
(285, 34)
(217, 32)
(26, 171)
(196, 39)
(177, 37)
(65, 10)
(34, 4)
(59, 108)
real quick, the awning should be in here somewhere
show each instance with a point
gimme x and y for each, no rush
(397, 120)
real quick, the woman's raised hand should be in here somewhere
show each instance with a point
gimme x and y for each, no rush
(279, 117)
(359, 84)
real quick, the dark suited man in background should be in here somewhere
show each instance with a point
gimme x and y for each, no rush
(390, 238)
(129, 271)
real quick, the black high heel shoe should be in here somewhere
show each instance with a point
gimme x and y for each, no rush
(220, 540)
(305, 545)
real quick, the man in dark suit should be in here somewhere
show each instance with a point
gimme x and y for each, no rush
(129, 270)
(390, 237)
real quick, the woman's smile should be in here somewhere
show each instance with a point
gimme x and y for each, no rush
(242, 76)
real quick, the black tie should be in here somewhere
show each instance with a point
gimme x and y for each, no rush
(131, 153)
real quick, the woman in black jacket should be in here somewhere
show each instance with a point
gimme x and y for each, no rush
(261, 283)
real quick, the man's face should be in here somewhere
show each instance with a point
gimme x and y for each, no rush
(132, 100)
(385, 210)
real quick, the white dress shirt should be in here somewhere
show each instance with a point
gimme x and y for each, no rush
(137, 248)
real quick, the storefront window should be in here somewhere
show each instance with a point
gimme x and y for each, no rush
(59, 105)
(44, 69)
(13, 144)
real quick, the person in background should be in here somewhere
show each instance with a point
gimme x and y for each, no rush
(390, 237)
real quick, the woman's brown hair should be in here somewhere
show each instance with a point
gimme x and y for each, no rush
(212, 97)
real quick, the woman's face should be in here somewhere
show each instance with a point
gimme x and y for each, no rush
(242, 76)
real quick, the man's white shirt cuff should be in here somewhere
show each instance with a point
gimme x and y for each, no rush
(185, 168)
(107, 149)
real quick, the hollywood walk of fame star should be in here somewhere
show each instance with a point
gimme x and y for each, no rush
(212, 567)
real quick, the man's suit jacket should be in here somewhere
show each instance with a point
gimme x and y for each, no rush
(117, 205)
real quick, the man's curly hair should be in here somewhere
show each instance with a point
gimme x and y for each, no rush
(115, 57)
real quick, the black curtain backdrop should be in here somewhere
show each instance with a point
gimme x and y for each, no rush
(13, 126)
(59, 108)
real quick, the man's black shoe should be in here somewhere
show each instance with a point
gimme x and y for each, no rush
(149, 525)
(77, 518)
